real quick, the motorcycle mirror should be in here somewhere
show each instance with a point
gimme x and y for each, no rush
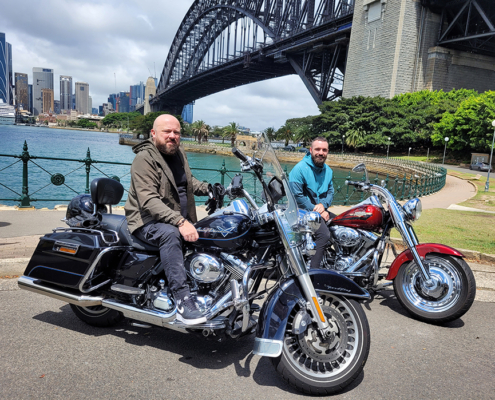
(360, 168)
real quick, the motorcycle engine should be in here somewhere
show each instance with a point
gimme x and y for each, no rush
(349, 245)
(214, 273)
(204, 268)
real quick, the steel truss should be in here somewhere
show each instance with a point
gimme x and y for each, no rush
(269, 37)
(468, 25)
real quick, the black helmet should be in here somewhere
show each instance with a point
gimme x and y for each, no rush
(80, 212)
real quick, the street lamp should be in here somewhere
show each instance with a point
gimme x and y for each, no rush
(487, 186)
(388, 147)
(444, 150)
(343, 137)
(409, 153)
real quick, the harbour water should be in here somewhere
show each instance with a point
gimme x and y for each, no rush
(74, 144)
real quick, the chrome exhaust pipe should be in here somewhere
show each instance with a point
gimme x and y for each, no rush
(153, 317)
(34, 285)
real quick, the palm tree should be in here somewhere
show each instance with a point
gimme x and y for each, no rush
(231, 130)
(270, 133)
(286, 132)
(355, 138)
(304, 134)
(199, 128)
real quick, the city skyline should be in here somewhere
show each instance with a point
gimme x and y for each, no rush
(86, 40)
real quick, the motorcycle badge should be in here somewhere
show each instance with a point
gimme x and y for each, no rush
(222, 231)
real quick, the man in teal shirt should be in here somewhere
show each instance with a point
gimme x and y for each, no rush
(311, 183)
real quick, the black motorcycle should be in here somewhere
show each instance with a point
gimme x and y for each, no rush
(310, 323)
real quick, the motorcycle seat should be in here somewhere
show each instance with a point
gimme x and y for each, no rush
(118, 223)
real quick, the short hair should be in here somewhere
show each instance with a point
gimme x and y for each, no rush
(319, 139)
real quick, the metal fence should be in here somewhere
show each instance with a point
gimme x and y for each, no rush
(416, 179)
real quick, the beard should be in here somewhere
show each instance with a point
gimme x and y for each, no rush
(318, 161)
(168, 148)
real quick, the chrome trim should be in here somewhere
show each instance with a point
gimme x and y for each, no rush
(94, 264)
(34, 285)
(267, 347)
(358, 263)
(250, 199)
(149, 316)
(398, 217)
(92, 231)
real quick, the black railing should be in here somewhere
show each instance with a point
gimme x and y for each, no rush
(424, 179)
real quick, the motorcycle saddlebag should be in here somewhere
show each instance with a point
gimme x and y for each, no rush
(63, 258)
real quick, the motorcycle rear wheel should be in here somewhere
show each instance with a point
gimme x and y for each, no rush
(459, 289)
(315, 366)
(97, 315)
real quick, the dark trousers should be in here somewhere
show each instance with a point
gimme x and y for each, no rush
(321, 237)
(168, 239)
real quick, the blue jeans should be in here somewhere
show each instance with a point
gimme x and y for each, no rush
(168, 238)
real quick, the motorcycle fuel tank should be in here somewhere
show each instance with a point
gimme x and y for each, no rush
(226, 231)
(367, 217)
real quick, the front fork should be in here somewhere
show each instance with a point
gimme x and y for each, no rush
(409, 237)
(312, 299)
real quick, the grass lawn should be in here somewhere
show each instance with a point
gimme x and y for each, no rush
(482, 200)
(458, 229)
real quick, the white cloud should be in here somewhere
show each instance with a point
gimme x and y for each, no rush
(92, 40)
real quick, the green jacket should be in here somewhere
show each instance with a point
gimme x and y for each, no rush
(153, 195)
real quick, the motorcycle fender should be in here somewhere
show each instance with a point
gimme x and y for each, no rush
(423, 250)
(278, 306)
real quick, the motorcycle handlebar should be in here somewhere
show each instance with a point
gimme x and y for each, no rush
(239, 154)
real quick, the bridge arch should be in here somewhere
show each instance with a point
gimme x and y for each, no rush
(211, 29)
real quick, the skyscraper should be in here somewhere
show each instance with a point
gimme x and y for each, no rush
(30, 98)
(42, 79)
(5, 70)
(21, 91)
(123, 102)
(82, 97)
(65, 92)
(137, 95)
(47, 100)
(90, 105)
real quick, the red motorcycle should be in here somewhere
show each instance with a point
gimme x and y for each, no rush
(431, 281)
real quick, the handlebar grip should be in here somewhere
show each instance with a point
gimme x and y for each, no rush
(353, 183)
(239, 154)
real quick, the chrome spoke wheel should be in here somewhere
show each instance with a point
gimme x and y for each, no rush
(312, 355)
(447, 279)
(448, 295)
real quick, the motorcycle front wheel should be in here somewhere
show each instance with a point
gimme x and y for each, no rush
(324, 366)
(453, 296)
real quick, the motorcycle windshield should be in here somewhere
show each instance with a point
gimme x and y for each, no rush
(274, 173)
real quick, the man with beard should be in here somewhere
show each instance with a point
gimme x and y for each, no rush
(160, 207)
(311, 183)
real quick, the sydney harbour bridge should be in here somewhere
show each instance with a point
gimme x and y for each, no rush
(222, 44)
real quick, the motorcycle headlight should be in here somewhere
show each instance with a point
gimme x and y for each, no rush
(413, 209)
(312, 220)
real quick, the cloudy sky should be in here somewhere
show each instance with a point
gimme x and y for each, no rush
(93, 40)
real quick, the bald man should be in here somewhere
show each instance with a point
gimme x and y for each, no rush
(160, 208)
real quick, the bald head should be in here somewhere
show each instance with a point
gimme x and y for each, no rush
(166, 134)
(165, 119)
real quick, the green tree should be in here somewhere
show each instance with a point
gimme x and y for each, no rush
(86, 123)
(270, 133)
(286, 132)
(231, 130)
(199, 129)
(470, 126)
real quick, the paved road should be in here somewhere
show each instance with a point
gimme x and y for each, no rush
(47, 353)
